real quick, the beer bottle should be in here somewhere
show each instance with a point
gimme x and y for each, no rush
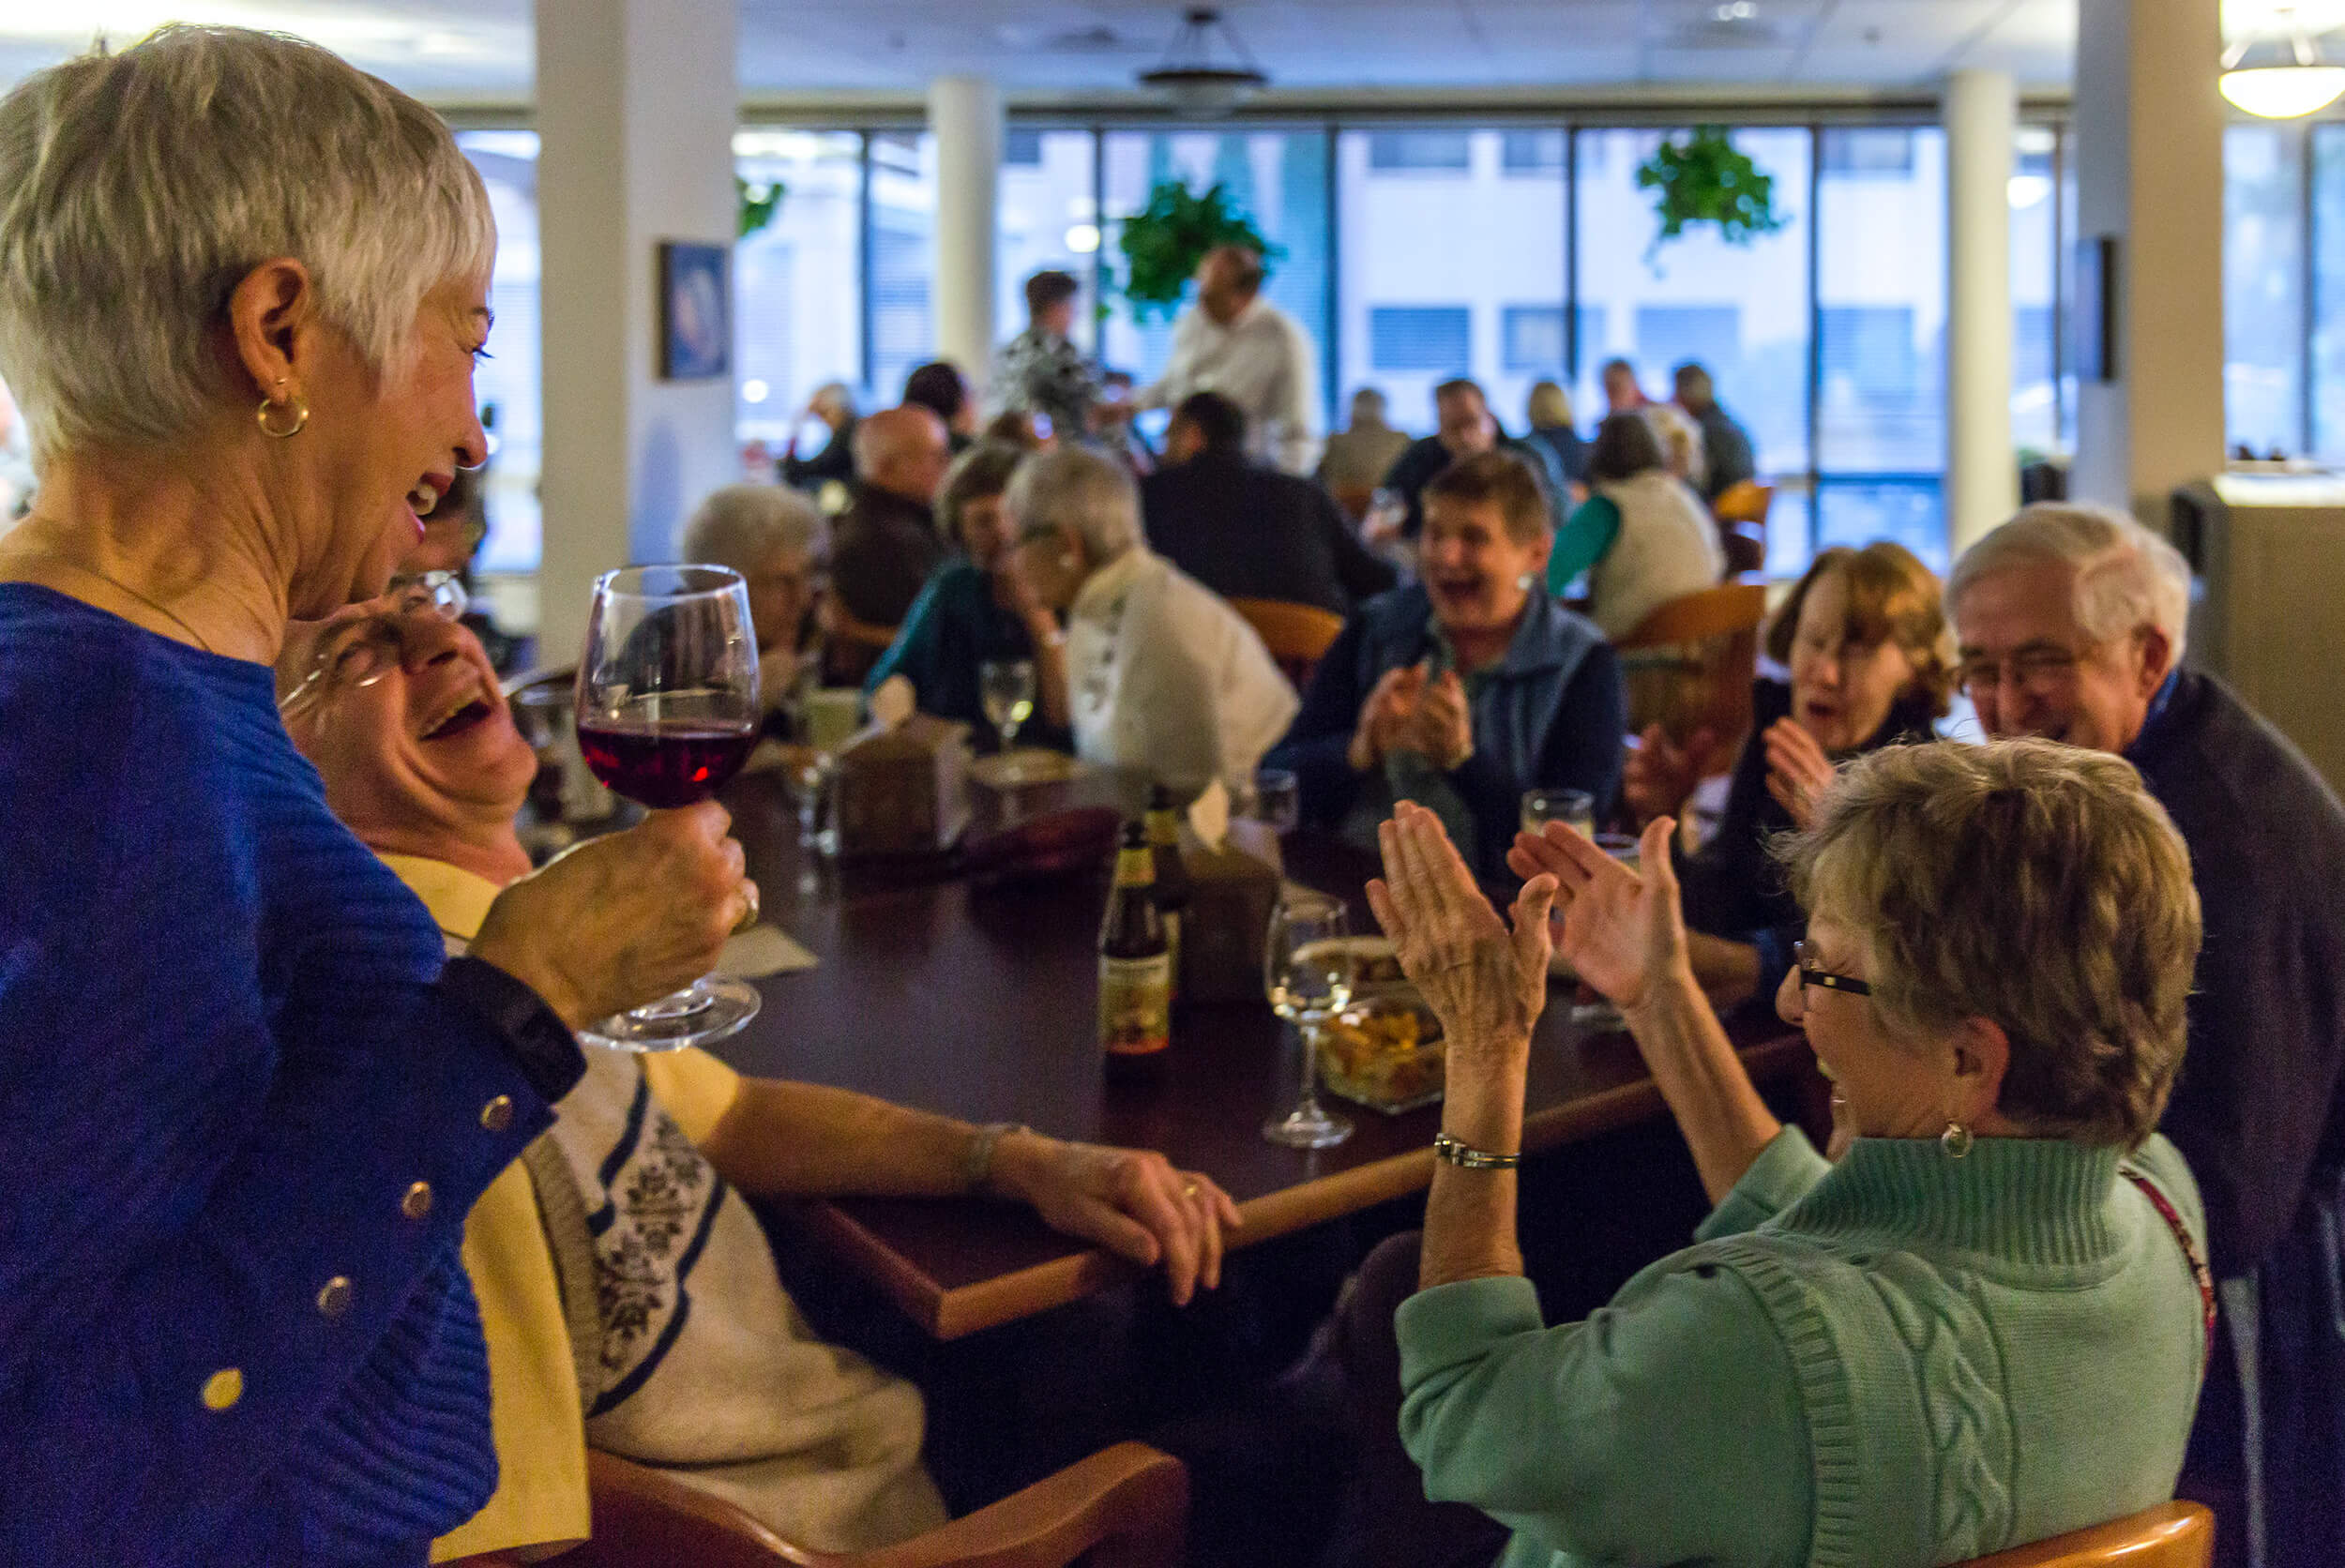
(1135, 965)
(1173, 887)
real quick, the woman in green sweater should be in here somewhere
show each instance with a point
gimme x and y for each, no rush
(1982, 1324)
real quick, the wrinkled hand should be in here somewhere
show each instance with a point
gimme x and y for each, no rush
(623, 919)
(1131, 1201)
(1621, 930)
(1798, 772)
(1659, 777)
(1439, 725)
(1485, 982)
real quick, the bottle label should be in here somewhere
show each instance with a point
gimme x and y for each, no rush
(1135, 1005)
(1136, 867)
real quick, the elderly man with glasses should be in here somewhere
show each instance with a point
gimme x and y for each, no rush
(2069, 621)
(588, 1335)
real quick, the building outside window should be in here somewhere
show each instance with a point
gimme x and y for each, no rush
(797, 283)
(2263, 288)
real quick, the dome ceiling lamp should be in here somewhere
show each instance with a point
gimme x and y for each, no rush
(2290, 81)
(1198, 87)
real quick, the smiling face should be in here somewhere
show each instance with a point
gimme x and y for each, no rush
(1882, 1086)
(2032, 670)
(1466, 426)
(407, 727)
(1841, 689)
(1474, 568)
(379, 451)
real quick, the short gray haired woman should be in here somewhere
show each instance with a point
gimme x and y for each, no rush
(1162, 675)
(1983, 1326)
(777, 540)
(241, 289)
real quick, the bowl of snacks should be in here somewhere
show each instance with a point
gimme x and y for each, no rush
(1375, 970)
(1386, 1053)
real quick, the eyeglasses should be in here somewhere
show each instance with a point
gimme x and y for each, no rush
(365, 653)
(2037, 670)
(1810, 976)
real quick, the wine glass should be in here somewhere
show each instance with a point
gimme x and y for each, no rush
(1575, 808)
(1275, 801)
(1005, 685)
(667, 712)
(1307, 966)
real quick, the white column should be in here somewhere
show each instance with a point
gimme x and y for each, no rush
(965, 117)
(2150, 175)
(1982, 467)
(636, 107)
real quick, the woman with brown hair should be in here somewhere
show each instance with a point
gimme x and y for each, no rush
(1865, 643)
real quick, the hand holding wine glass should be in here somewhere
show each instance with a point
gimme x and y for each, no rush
(667, 714)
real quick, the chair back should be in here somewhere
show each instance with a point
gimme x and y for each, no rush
(2171, 1535)
(1297, 635)
(1690, 665)
(1741, 511)
(1123, 1507)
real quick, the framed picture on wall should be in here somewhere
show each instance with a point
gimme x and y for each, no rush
(695, 310)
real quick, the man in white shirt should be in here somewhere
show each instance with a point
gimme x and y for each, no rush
(1237, 343)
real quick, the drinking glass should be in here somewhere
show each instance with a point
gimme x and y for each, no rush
(1600, 1016)
(1007, 688)
(667, 712)
(1306, 968)
(1276, 801)
(1575, 808)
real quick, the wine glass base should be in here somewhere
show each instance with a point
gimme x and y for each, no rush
(709, 1009)
(1308, 1129)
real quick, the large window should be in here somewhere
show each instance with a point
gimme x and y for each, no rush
(797, 283)
(1458, 272)
(1278, 177)
(1741, 311)
(1881, 334)
(507, 383)
(2263, 293)
(904, 259)
(2037, 242)
(1049, 217)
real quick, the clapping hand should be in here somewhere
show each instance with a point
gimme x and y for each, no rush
(1661, 776)
(1798, 772)
(1486, 981)
(1621, 930)
(1440, 727)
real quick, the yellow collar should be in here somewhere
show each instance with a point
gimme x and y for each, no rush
(459, 899)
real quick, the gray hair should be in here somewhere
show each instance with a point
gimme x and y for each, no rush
(137, 189)
(743, 526)
(2126, 575)
(1078, 490)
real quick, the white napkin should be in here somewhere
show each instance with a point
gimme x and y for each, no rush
(763, 950)
(1210, 815)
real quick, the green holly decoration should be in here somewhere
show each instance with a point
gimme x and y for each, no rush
(1163, 242)
(1702, 179)
(760, 203)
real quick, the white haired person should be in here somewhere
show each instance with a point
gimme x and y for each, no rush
(241, 290)
(779, 544)
(1976, 1319)
(1162, 677)
(2068, 623)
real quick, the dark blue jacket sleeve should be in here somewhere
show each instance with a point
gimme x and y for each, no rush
(192, 1167)
(1317, 744)
(1582, 752)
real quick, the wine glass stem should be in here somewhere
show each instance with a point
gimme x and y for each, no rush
(1307, 1108)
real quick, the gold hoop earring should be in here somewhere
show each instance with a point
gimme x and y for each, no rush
(1955, 1141)
(294, 405)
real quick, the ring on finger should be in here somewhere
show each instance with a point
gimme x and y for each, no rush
(1190, 1189)
(748, 907)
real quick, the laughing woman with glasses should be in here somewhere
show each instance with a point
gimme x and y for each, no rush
(242, 287)
(1979, 1322)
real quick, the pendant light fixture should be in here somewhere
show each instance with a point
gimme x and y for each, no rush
(1198, 87)
(2289, 82)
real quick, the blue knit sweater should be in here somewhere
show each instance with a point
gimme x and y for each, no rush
(224, 1064)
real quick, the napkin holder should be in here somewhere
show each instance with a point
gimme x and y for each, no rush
(904, 791)
(1232, 888)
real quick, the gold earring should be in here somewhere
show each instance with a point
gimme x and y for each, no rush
(1955, 1141)
(292, 405)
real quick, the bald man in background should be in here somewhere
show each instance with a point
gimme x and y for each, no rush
(886, 544)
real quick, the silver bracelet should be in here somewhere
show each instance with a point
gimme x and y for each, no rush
(1466, 1157)
(976, 1161)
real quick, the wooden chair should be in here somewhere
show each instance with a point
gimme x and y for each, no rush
(1297, 635)
(1691, 664)
(1354, 499)
(2171, 1535)
(1126, 1506)
(1741, 510)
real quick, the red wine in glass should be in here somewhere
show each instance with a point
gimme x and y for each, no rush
(667, 714)
(665, 764)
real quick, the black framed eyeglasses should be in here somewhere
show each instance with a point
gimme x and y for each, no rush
(1810, 976)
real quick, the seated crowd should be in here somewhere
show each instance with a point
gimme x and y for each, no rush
(332, 1243)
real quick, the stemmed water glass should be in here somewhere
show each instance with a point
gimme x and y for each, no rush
(667, 712)
(1308, 970)
(1006, 689)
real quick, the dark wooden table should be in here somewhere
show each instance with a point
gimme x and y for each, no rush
(937, 994)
